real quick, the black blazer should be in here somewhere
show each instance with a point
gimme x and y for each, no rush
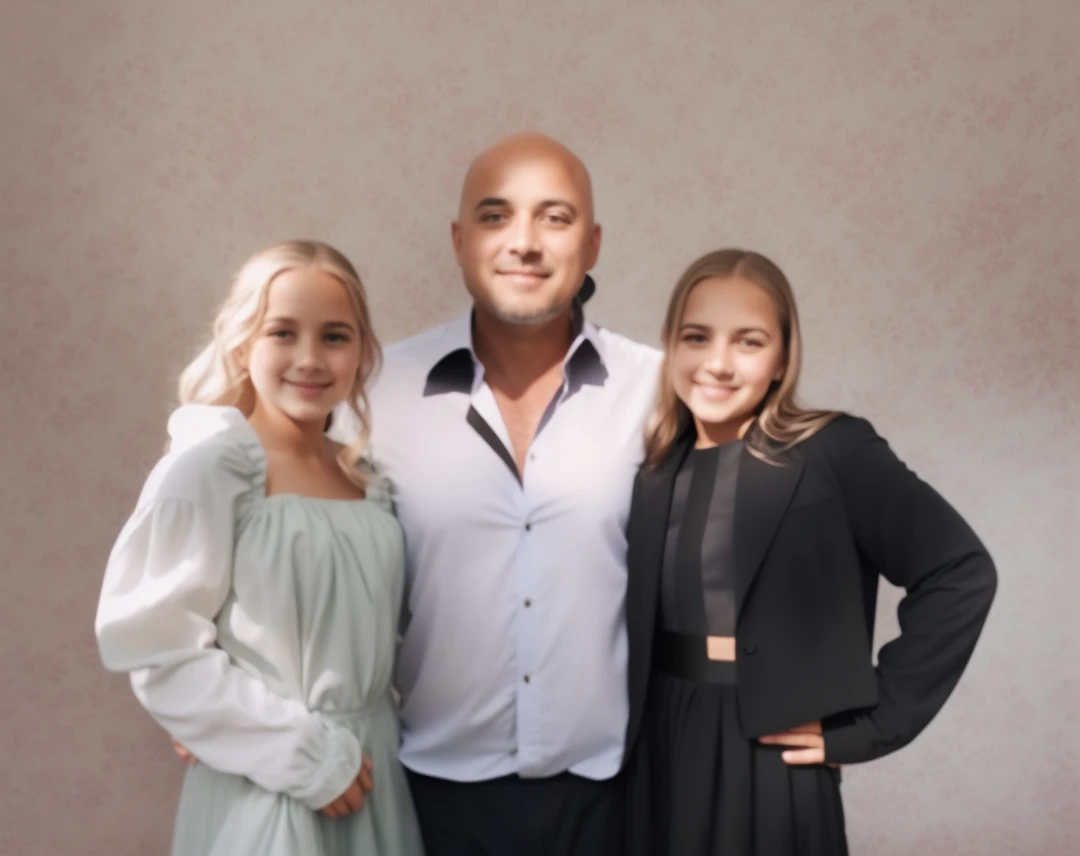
(812, 533)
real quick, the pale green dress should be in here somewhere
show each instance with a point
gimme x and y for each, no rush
(260, 632)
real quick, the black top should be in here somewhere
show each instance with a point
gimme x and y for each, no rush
(697, 593)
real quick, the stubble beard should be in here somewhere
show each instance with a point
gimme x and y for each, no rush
(518, 316)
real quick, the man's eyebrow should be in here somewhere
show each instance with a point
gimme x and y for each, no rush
(555, 203)
(499, 202)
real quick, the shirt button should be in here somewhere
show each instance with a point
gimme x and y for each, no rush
(528, 602)
(528, 527)
(513, 752)
(749, 648)
(532, 456)
(526, 679)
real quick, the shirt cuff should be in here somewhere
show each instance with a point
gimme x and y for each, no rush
(339, 765)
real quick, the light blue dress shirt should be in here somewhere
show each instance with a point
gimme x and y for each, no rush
(513, 657)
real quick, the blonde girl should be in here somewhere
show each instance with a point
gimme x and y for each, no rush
(253, 596)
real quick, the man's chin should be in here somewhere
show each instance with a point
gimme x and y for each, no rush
(526, 316)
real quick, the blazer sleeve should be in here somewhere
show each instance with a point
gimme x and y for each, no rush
(910, 535)
(167, 578)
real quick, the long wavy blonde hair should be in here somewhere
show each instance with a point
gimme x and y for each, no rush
(781, 422)
(215, 376)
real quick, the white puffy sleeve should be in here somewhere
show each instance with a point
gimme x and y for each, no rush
(167, 578)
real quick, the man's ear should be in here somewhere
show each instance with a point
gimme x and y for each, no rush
(455, 238)
(596, 237)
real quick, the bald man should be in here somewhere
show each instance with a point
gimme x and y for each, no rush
(512, 436)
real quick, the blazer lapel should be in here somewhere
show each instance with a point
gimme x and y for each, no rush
(762, 494)
(656, 489)
(646, 536)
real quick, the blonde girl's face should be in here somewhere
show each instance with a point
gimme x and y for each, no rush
(304, 358)
(728, 350)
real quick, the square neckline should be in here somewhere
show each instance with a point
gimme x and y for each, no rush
(266, 495)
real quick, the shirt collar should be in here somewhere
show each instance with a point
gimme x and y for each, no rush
(456, 368)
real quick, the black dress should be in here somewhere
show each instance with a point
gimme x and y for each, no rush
(713, 792)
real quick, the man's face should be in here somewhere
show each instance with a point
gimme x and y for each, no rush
(525, 237)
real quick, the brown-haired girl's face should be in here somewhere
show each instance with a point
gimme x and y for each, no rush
(728, 349)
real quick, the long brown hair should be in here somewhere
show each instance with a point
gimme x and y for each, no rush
(781, 421)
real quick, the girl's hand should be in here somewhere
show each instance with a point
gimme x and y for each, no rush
(183, 753)
(809, 740)
(353, 798)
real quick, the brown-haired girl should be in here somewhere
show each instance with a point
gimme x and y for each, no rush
(757, 535)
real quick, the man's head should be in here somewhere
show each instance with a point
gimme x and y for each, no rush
(525, 235)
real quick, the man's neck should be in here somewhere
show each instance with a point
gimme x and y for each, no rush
(515, 356)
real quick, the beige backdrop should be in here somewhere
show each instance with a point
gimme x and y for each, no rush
(913, 166)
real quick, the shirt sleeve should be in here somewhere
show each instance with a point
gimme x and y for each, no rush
(166, 580)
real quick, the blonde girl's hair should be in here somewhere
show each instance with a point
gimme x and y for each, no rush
(781, 422)
(215, 376)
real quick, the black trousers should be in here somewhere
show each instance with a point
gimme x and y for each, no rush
(564, 815)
